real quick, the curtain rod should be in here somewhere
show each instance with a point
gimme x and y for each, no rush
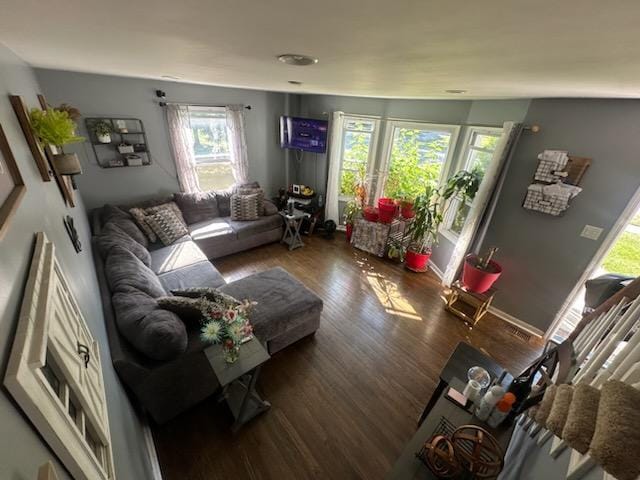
(164, 104)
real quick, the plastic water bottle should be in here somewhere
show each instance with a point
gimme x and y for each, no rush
(493, 395)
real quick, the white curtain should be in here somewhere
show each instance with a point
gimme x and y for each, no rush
(182, 146)
(237, 143)
(490, 185)
(333, 181)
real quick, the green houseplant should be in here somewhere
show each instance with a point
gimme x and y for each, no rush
(430, 208)
(55, 127)
(351, 211)
(102, 130)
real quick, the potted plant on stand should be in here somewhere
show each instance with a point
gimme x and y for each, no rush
(480, 273)
(430, 208)
(102, 131)
(351, 211)
(55, 127)
(405, 202)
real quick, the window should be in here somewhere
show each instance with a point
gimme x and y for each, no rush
(211, 147)
(417, 154)
(359, 136)
(479, 145)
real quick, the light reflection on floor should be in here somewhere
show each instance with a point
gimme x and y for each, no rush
(390, 298)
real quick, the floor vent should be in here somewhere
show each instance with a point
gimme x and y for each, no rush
(516, 332)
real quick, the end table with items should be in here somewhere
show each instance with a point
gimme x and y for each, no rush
(292, 223)
(238, 380)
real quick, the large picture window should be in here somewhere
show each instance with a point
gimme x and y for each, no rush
(211, 147)
(479, 145)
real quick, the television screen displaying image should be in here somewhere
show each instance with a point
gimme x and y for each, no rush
(303, 134)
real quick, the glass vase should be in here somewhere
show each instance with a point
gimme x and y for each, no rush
(231, 353)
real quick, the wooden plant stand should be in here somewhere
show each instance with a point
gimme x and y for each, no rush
(476, 303)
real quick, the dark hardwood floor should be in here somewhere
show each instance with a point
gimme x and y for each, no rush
(344, 401)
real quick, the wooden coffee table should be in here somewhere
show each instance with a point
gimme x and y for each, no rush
(238, 380)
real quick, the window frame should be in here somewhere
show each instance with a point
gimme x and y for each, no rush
(462, 163)
(373, 147)
(390, 128)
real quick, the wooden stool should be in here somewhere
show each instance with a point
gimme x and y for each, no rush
(479, 302)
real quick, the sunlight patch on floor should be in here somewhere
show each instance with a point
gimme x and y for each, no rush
(390, 298)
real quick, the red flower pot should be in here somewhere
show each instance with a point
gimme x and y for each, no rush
(371, 214)
(416, 261)
(349, 231)
(406, 210)
(387, 209)
(476, 280)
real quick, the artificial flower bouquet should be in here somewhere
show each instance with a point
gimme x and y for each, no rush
(226, 323)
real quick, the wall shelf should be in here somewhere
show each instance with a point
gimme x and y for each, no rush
(135, 135)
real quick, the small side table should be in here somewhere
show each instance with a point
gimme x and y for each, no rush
(479, 302)
(238, 380)
(292, 224)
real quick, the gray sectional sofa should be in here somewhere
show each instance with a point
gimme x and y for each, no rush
(159, 357)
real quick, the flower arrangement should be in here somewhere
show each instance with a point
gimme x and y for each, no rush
(226, 323)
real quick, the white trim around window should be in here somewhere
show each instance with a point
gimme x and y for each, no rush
(390, 128)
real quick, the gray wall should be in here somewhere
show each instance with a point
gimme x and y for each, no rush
(102, 95)
(22, 450)
(544, 256)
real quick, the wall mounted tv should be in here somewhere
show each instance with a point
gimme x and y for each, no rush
(303, 134)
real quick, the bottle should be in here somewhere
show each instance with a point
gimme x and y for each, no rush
(493, 395)
(503, 407)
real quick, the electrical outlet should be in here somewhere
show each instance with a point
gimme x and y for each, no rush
(591, 232)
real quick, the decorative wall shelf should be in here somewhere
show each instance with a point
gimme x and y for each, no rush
(107, 154)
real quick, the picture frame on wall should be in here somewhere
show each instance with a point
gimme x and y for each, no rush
(12, 187)
(37, 151)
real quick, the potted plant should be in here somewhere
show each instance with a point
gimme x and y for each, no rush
(396, 250)
(102, 131)
(351, 211)
(480, 273)
(430, 208)
(405, 202)
(55, 127)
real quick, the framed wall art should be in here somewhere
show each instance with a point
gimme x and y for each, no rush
(37, 151)
(12, 187)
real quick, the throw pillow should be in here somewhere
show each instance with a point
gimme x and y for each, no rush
(167, 226)
(125, 271)
(253, 191)
(139, 215)
(164, 206)
(112, 235)
(223, 198)
(188, 309)
(245, 207)
(212, 294)
(153, 331)
(269, 208)
(198, 206)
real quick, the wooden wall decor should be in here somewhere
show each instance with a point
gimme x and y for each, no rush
(65, 183)
(12, 187)
(22, 113)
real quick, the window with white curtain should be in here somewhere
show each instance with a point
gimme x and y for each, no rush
(211, 147)
(359, 138)
(476, 154)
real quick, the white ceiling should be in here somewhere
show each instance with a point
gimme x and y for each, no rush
(381, 48)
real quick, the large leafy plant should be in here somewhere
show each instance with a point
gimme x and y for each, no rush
(54, 127)
(431, 205)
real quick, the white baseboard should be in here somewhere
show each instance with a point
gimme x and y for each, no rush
(434, 268)
(516, 321)
(151, 449)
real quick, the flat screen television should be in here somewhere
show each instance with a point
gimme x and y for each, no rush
(304, 134)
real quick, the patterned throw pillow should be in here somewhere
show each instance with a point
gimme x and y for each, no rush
(188, 309)
(167, 226)
(140, 216)
(209, 293)
(245, 207)
(253, 191)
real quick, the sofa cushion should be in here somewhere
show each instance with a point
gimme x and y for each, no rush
(223, 197)
(173, 206)
(201, 274)
(246, 207)
(125, 271)
(217, 227)
(155, 332)
(253, 191)
(177, 255)
(140, 216)
(112, 235)
(283, 302)
(262, 224)
(110, 212)
(167, 226)
(130, 228)
(269, 208)
(197, 206)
